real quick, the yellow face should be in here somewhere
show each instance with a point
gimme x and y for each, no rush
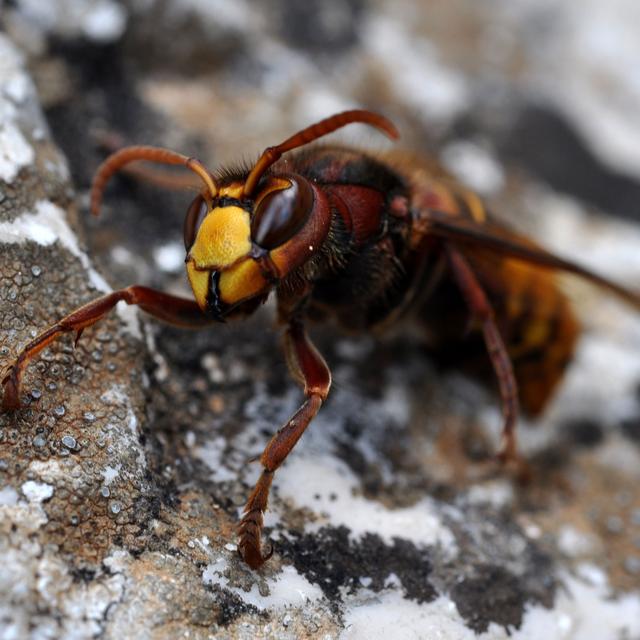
(222, 246)
(235, 255)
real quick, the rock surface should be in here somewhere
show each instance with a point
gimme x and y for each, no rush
(122, 477)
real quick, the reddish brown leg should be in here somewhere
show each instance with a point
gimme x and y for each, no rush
(166, 307)
(480, 309)
(309, 368)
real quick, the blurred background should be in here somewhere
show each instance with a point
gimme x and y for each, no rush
(511, 95)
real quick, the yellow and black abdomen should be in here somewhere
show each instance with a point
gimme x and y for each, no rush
(532, 313)
(536, 320)
(533, 316)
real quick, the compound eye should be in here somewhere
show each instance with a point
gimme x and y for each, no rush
(281, 214)
(193, 219)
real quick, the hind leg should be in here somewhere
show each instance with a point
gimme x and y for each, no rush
(481, 311)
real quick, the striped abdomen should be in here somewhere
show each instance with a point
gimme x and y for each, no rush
(533, 315)
(535, 319)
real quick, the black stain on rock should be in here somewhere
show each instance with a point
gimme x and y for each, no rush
(230, 606)
(493, 595)
(334, 561)
(497, 571)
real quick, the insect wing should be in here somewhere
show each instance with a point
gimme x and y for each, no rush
(472, 237)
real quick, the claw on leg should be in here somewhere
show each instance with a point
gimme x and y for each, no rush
(250, 528)
(11, 384)
(309, 367)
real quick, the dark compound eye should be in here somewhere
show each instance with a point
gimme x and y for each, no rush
(193, 219)
(281, 214)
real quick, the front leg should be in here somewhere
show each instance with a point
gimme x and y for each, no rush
(171, 309)
(310, 369)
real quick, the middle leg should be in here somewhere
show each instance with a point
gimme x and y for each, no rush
(311, 370)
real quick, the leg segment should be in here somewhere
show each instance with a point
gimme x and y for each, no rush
(480, 309)
(171, 309)
(309, 368)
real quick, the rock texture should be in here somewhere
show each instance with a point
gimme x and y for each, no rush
(122, 477)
